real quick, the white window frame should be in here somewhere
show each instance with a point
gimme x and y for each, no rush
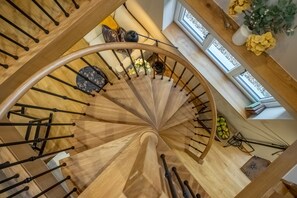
(231, 74)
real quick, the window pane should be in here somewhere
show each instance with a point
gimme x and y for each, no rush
(252, 85)
(222, 56)
(194, 26)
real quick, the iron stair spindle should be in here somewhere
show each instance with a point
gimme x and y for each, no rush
(201, 135)
(187, 83)
(48, 128)
(15, 42)
(193, 89)
(97, 72)
(168, 177)
(164, 63)
(172, 71)
(70, 85)
(35, 124)
(15, 57)
(52, 187)
(133, 64)
(68, 194)
(203, 120)
(202, 104)
(109, 67)
(29, 127)
(59, 96)
(196, 141)
(15, 176)
(194, 148)
(121, 64)
(35, 140)
(62, 9)
(189, 188)
(48, 109)
(36, 40)
(75, 4)
(181, 75)
(28, 131)
(204, 126)
(185, 194)
(33, 158)
(197, 97)
(29, 179)
(201, 127)
(5, 66)
(143, 63)
(26, 188)
(202, 112)
(45, 12)
(84, 77)
(27, 16)
(20, 114)
(36, 136)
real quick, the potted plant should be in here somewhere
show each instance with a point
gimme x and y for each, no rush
(265, 20)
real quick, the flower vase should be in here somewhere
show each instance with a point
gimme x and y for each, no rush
(241, 35)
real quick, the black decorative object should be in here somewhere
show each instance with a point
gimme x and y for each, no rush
(159, 67)
(98, 77)
(131, 36)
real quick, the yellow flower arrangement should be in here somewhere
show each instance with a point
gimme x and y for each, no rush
(260, 43)
(237, 6)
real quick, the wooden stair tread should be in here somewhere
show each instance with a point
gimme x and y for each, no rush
(86, 166)
(104, 109)
(143, 90)
(121, 94)
(116, 174)
(161, 92)
(90, 134)
(175, 100)
(182, 115)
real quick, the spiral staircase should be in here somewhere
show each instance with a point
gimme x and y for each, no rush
(116, 136)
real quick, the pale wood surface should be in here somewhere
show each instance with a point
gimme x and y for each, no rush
(121, 93)
(175, 101)
(144, 179)
(86, 166)
(183, 114)
(105, 109)
(90, 134)
(116, 174)
(161, 91)
(24, 151)
(142, 88)
(275, 79)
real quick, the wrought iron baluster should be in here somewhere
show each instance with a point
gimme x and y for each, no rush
(62, 9)
(185, 194)
(193, 89)
(143, 63)
(197, 97)
(31, 159)
(133, 64)
(168, 177)
(199, 105)
(9, 178)
(45, 12)
(72, 191)
(194, 148)
(172, 71)
(15, 57)
(52, 187)
(59, 96)
(19, 192)
(121, 64)
(187, 82)
(70, 85)
(36, 40)
(15, 42)
(75, 4)
(164, 63)
(181, 75)
(5, 66)
(196, 141)
(189, 188)
(109, 67)
(27, 16)
(48, 109)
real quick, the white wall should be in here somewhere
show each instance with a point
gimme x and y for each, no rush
(285, 51)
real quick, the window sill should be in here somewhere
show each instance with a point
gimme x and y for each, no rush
(272, 113)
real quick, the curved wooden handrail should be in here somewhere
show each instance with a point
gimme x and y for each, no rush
(10, 100)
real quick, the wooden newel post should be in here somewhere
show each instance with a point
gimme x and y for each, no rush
(144, 179)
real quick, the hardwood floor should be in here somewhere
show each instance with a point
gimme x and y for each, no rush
(220, 173)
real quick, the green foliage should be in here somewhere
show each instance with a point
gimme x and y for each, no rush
(277, 18)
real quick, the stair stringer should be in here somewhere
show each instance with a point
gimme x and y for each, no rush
(86, 166)
(121, 94)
